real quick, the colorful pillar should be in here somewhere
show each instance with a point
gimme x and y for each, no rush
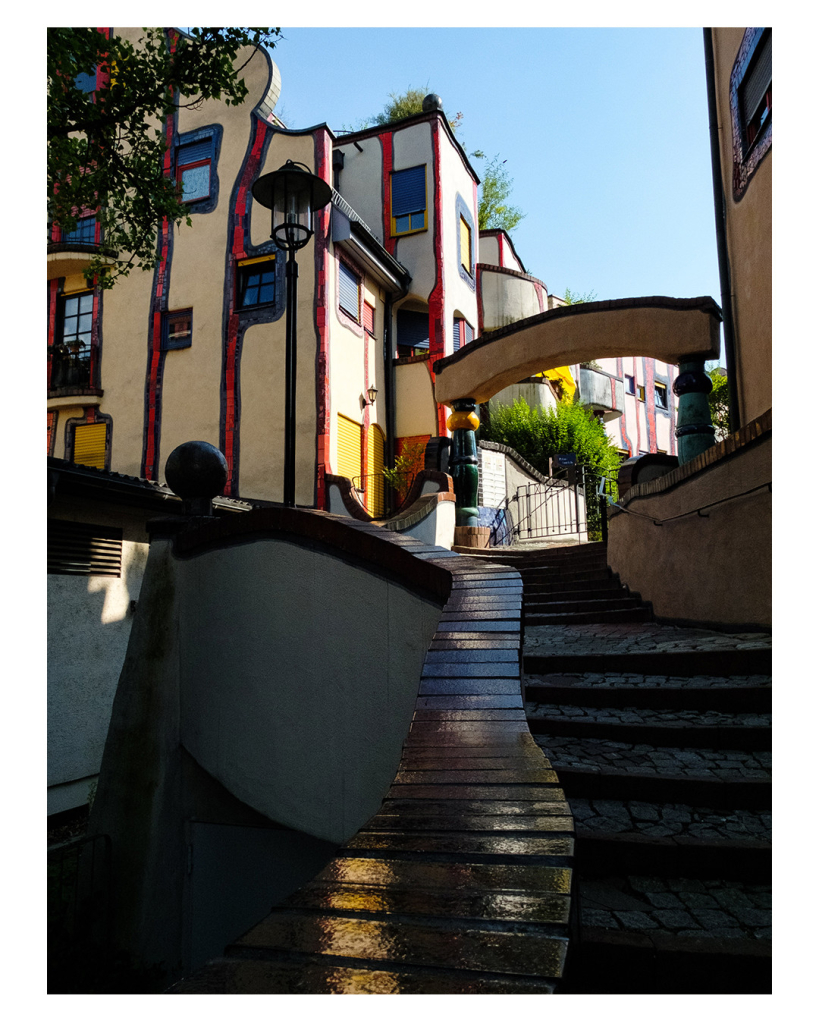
(694, 432)
(463, 462)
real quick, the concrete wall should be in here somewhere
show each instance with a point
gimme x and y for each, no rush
(271, 674)
(506, 298)
(299, 675)
(88, 625)
(711, 569)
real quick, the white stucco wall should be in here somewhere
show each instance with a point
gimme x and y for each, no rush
(88, 626)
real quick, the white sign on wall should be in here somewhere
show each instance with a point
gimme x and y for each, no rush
(493, 478)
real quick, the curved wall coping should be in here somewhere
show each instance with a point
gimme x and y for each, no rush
(377, 549)
(400, 521)
(659, 326)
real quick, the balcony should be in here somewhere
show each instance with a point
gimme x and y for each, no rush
(601, 392)
(74, 257)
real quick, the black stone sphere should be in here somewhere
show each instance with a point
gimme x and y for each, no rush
(196, 470)
(432, 102)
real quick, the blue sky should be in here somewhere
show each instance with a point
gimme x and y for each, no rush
(605, 134)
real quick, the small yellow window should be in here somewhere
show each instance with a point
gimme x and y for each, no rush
(466, 246)
(89, 444)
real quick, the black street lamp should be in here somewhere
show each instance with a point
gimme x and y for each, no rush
(292, 194)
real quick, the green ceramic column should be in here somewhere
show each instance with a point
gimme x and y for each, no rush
(463, 462)
(694, 432)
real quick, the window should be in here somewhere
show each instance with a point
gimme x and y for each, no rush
(348, 450)
(257, 282)
(409, 200)
(90, 441)
(751, 101)
(641, 392)
(629, 385)
(71, 354)
(369, 319)
(462, 333)
(756, 92)
(83, 549)
(193, 165)
(177, 330)
(84, 232)
(413, 332)
(661, 396)
(349, 292)
(466, 246)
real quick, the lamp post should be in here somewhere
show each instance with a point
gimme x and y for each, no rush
(292, 194)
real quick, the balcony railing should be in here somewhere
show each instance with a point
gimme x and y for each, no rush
(70, 369)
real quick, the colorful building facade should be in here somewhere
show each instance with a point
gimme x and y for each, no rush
(396, 275)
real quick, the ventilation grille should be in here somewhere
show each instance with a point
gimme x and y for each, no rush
(82, 549)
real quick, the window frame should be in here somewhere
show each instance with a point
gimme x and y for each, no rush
(171, 343)
(660, 389)
(211, 136)
(411, 229)
(243, 269)
(61, 349)
(364, 319)
(748, 153)
(631, 384)
(343, 267)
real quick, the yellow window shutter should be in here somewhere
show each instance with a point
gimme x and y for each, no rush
(375, 464)
(89, 444)
(348, 455)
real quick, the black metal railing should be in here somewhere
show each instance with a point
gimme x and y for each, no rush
(571, 503)
(70, 368)
(79, 892)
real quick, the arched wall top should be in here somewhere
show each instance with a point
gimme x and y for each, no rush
(657, 326)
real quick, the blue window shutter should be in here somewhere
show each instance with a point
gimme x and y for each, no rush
(348, 291)
(409, 191)
(413, 328)
(193, 152)
(456, 335)
(469, 334)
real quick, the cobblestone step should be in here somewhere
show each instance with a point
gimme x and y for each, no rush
(739, 694)
(672, 840)
(636, 614)
(608, 769)
(635, 725)
(647, 662)
(553, 591)
(660, 737)
(608, 602)
(652, 935)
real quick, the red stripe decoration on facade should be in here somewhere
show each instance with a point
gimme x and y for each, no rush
(239, 240)
(386, 193)
(322, 150)
(651, 412)
(159, 305)
(638, 411)
(51, 422)
(478, 275)
(672, 418)
(624, 438)
(53, 295)
(539, 293)
(436, 297)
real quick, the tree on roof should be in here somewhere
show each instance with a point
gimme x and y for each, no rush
(494, 213)
(107, 100)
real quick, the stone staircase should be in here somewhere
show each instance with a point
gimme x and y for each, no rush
(661, 739)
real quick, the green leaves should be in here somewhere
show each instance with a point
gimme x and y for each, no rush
(539, 434)
(107, 147)
(493, 211)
